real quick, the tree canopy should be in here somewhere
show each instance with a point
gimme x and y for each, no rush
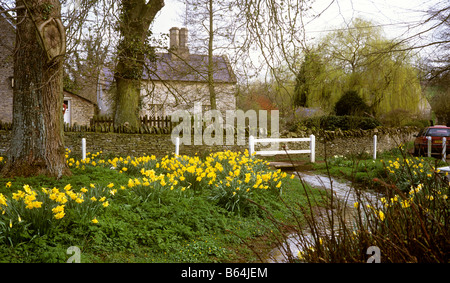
(358, 58)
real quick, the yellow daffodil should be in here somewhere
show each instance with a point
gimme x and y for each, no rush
(3, 200)
(59, 215)
(381, 215)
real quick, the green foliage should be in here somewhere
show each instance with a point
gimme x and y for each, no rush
(332, 123)
(440, 104)
(46, 9)
(351, 104)
(311, 67)
(134, 45)
(359, 58)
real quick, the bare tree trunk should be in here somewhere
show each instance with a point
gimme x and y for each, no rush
(37, 145)
(212, 91)
(136, 17)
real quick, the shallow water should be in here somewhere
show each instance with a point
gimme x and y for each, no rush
(342, 191)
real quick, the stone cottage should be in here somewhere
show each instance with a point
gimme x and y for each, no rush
(176, 80)
(77, 109)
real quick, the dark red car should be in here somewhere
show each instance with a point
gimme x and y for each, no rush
(436, 133)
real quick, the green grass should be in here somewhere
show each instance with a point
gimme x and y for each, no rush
(362, 169)
(171, 228)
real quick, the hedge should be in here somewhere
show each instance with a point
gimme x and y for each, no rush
(331, 123)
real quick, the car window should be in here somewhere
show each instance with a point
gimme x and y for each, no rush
(438, 132)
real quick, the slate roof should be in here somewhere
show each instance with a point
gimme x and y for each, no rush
(192, 69)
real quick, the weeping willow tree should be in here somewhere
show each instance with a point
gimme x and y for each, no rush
(358, 58)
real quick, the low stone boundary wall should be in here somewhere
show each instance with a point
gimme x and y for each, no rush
(331, 143)
(356, 141)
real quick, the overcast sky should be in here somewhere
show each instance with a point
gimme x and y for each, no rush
(399, 18)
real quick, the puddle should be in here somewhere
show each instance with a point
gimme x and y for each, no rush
(344, 193)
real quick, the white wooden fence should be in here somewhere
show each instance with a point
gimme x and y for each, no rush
(312, 146)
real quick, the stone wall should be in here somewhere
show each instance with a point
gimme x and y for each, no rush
(6, 69)
(120, 144)
(136, 144)
(353, 142)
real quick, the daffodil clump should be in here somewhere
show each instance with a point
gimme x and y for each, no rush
(428, 200)
(229, 178)
(40, 210)
(406, 171)
(92, 159)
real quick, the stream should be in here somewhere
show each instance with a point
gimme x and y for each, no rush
(343, 191)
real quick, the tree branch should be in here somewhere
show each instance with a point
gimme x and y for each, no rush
(12, 9)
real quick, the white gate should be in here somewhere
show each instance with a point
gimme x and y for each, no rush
(312, 146)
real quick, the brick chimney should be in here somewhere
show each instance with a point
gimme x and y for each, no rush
(178, 43)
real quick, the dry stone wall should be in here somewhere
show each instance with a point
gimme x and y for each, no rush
(329, 143)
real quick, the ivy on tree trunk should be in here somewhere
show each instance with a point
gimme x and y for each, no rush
(37, 145)
(135, 19)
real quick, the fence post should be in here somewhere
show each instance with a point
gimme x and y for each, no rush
(251, 145)
(312, 147)
(177, 146)
(83, 148)
(375, 147)
(444, 149)
(429, 146)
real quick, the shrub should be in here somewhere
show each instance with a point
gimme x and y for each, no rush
(351, 104)
(331, 123)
